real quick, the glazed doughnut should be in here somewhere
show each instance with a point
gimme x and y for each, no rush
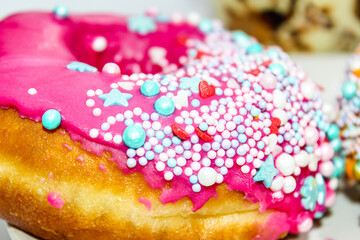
(155, 127)
(349, 120)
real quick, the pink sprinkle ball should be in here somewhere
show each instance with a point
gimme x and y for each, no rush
(268, 81)
(111, 68)
(55, 200)
(311, 135)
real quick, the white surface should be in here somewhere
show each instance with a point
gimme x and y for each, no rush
(326, 70)
(202, 7)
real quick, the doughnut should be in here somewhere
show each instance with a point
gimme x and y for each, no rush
(349, 121)
(306, 25)
(156, 127)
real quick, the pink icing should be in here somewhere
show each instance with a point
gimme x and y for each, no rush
(55, 200)
(51, 44)
(146, 202)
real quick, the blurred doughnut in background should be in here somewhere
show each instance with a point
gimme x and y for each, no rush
(306, 25)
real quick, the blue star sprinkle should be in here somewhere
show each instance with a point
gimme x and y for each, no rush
(141, 24)
(81, 67)
(267, 172)
(116, 98)
(190, 83)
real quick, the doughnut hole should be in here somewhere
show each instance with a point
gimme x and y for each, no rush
(134, 53)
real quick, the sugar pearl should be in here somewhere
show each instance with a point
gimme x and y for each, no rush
(207, 176)
(168, 176)
(311, 135)
(305, 225)
(327, 152)
(268, 81)
(245, 169)
(281, 114)
(94, 133)
(195, 166)
(286, 164)
(289, 184)
(279, 99)
(90, 103)
(308, 89)
(277, 184)
(326, 168)
(137, 111)
(302, 159)
(99, 44)
(240, 161)
(160, 166)
(32, 91)
(188, 171)
(111, 68)
(97, 112)
(181, 161)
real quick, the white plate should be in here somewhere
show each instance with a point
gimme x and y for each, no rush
(16, 234)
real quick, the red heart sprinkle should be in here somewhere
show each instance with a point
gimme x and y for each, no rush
(254, 72)
(182, 39)
(275, 124)
(203, 136)
(200, 54)
(206, 90)
(266, 63)
(179, 132)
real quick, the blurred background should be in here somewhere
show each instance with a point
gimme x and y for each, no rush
(319, 34)
(296, 25)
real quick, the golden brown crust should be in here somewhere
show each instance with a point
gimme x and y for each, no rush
(101, 204)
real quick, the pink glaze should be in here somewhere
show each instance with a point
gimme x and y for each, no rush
(55, 200)
(276, 224)
(40, 62)
(146, 202)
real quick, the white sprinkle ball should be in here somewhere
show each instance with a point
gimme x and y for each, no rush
(188, 171)
(90, 93)
(286, 164)
(111, 68)
(99, 92)
(97, 112)
(117, 139)
(146, 124)
(108, 137)
(160, 166)
(99, 44)
(156, 125)
(128, 114)
(277, 184)
(94, 133)
(90, 103)
(137, 111)
(207, 176)
(181, 161)
(289, 184)
(111, 120)
(32, 91)
(245, 169)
